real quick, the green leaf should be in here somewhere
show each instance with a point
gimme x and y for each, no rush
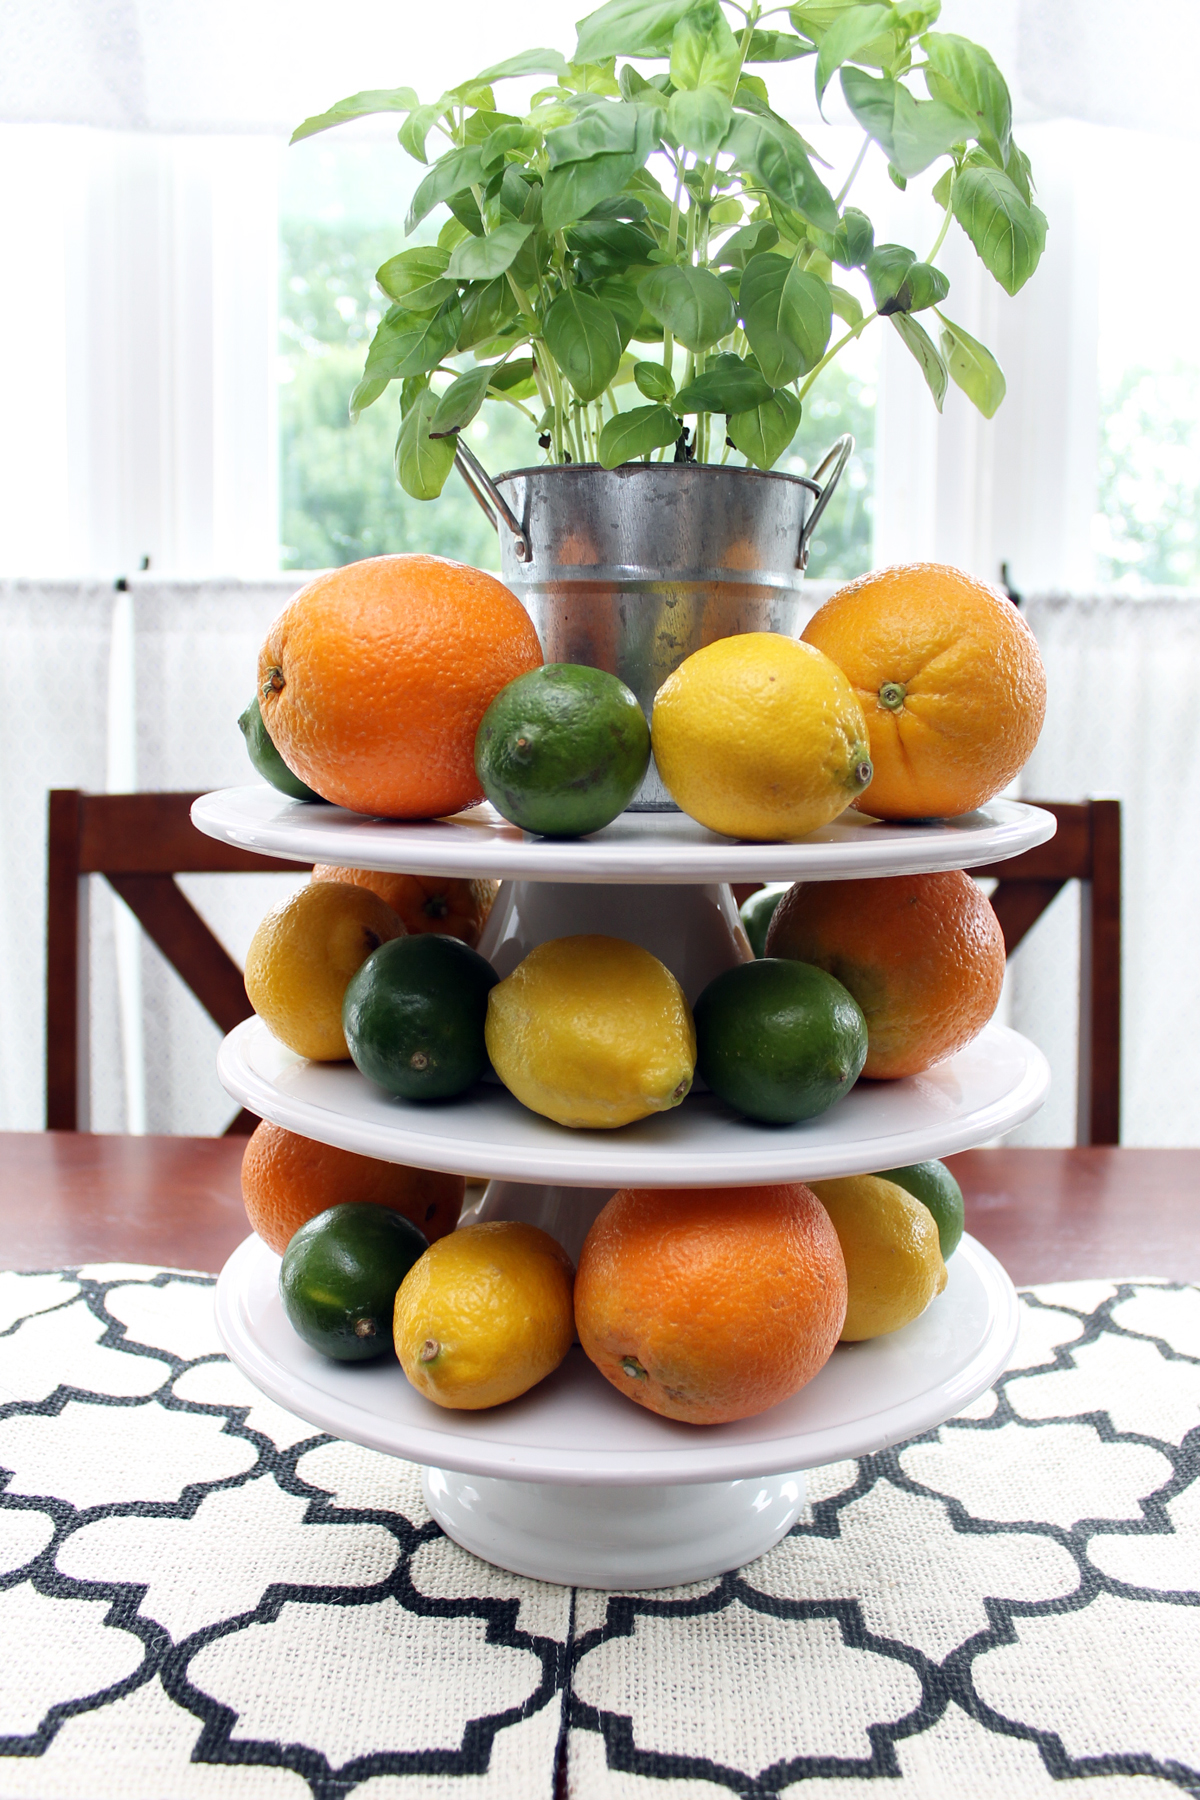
(704, 51)
(856, 237)
(573, 188)
(927, 286)
(776, 46)
(1008, 234)
(973, 368)
(498, 143)
(422, 462)
(460, 402)
(636, 433)
(451, 235)
(366, 394)
(357, 106)
(629, 28)
(510, 377)
(913, 133)
(964, 76)
(775, 156)
(896, 178)
(488, 309)
(942, 186)
(1017, 168)
(845, 306)
(763, 433)
(416, 278)
(479, 259)
(693, 304)
(861, 28)
(529, 62)
(595, 132)
(416, 128)
(699, 118)
(457, 170)
(403, 346)
(654, 381)
(923, 348)
(886, 269)
(583, 338)
(729, 385)
(788, 316)
(610, 244)
(737, 250)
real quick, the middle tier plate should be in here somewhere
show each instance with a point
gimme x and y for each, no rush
(996, 1082)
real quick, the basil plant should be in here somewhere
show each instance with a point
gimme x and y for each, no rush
(647, 262)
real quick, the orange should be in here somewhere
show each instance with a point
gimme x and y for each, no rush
(374, 678)
(922, 954)
(440, 903)
(287, 1180)
(710, 1304)
(951, 682)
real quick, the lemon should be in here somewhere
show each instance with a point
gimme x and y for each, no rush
(592, 1031)
(485, 1314)
(301, 959)
(757, 737)
(894, 1264)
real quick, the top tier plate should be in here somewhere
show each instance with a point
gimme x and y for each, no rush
(658, 848)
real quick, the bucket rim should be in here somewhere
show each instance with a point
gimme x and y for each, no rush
(631, 471)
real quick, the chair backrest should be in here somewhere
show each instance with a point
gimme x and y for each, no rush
(139, 843)
(1086, 848)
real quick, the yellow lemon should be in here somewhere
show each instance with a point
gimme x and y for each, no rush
(592, 1031)
(757, 737)
(302, 957)
(893, 1256)
(485, 1314)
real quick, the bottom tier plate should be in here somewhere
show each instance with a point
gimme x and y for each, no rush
(576, 1430)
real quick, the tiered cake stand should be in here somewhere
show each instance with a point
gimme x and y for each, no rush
(572, 1482)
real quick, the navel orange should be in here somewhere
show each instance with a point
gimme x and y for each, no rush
(710, 1304)
(374, 678)
(445, 904)
(287, 1180)
(951, 682)
(922, 954)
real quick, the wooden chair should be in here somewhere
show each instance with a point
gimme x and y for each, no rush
(138, 843)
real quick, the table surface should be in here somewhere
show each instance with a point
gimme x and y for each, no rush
(1049, 1215)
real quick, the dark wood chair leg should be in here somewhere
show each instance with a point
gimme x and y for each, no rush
(66, 982)
(1104, 978)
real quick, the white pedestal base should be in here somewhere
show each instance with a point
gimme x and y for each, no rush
(614, 1537)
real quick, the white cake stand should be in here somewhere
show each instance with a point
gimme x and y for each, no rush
(572, 1483)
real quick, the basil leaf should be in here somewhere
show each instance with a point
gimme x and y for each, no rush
(510, 377)
(529, 62)
(927, 286)
(463, 206)
(922, 346)
(366, 394)
(479, 259)
(856, 239)
(693, 304)
(460, 402)
(763, 433)
(913, 133)
(887, 270)
(624, 302)
(788, 316)
(498, 143)
(860, 29)
(357, 106)
(653, 380)
(416, 278)
(776, 46)
(596, 132)
(973, 368)
(699, 118)
(488, 309)
(1008, 234)
(1017, 168)
(610, 243)
(636, 433)
(729, 385)
(941, 187)
(737, 249)
(583, 338)
(422, 462)
(416, 128)
(574, 187)
(964, 75)
(621, 206)
(629, 28)
(457, 170)
(845, 306)
(704, 52)
(774, 155)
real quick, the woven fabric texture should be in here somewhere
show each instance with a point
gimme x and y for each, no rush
(201, 1597)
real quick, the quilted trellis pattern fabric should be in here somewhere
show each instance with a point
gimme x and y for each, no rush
(201, 1597)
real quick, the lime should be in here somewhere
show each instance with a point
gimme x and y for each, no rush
(562, 750)
(339, 1277)
(781, 1041)
(414, 1018)
(757, 911)
(266, 758)
(935, 1187)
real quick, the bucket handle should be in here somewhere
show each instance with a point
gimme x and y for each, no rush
(490, 498)
(835, 459)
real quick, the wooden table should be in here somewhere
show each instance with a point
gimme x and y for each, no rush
(1050, 1215)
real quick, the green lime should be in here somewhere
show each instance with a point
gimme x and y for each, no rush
(757, 911)
(414, 1014)
(935, 1187)
(266, 758)
(780, 1040)
(340, 1274)
(562, 750)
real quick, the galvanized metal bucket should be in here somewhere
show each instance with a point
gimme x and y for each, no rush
(632, 569)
